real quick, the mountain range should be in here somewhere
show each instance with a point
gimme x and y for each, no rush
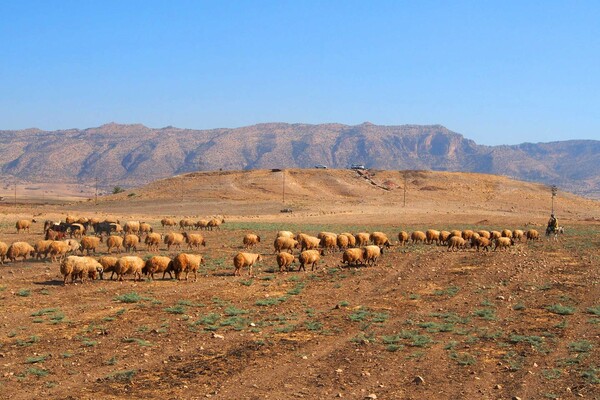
(132, 155)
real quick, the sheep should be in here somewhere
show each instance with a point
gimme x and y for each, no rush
(431, 235)
(145, 228)
(173, 239)
(112, 220)
(495, 235)
(362, 239)
(108, 265)
(455, 243)
(42, 247)
(194, 240)
(503, 243)
(379, 239)
(83, 220)
(285, 243)
(186, 223)
(321, 235)
(157, 264)
(484, 234)
(418, 236)
(518, 234)
(351, 238)
(51, 234)
(77, 230)
(115, 227)
(455, 232)
(131, 227)
(532, 234)
(343, 241)
(467, 234)
(372, 253)
(168, 222)
(250, 240)
(73, 245)
(285, 234)
(444, 236)
(89, 243)
(245, 259)
(58, 249)
(201, 224)
(19, 249)
(69, 219)
(481, 242)
(285, 260)
(129, 265)
(153, 241)
(24, 224)
(215, 223)
(309, 257)
(506, 233)
(353, 256)
(114, 241)
(473, 240)
(82, 267)
(130, 242)
(328, 241)
(3, 250)
(187, 263)
(308, 242)
(403, 238)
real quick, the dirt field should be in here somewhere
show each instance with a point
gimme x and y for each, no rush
(422, 323)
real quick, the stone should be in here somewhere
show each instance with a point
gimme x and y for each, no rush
(419, 380)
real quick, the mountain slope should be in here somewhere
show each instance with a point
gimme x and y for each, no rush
(131, 155)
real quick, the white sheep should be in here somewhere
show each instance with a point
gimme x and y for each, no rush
(82, 267)
(372, 253)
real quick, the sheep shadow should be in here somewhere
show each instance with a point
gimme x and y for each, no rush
(52, 282)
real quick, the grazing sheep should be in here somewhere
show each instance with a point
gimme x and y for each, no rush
(130, 242)
(24, 224)
(131, 227)
(73, 245)
(455, 232)
(157, 264)
(353, 256)
(518, 235)
(379, 239)
(215, 223)
(484, 234)
(115, 228)
(70, 219)
(3, 250)
(82, 267)
(186, 223)
(372, 253)
(285, 260)
(285, 234)
(58, 249)
(194, 240)
(129, 265)
(19, 249)
(42, 247)
(321, 235)
(495, 235)
(506, 233)
(76, 230)
(480, 242)
(431, 235)
(467, 234)
(532, 234)
(403, 238)
(503, 243)
(351, 238)
(242, 260)
(115, 242)
(455, 243)
(418, 236)
(285, 243)
(89, 243)
(187, 263)
(173, 239)
(145, 228)
(328, 242)
(309, 257)
(251, 240)
(108, 265)
(168, 222)
(201, 224)
(112, 220)
(444, 236)
(153, 241)
(362, 239)
(308, 242)
(343, 241)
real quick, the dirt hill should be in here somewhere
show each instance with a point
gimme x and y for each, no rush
(131, 155)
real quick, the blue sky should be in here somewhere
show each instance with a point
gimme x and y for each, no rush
(499, 72)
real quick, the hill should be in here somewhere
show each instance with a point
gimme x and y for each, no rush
(132, 155)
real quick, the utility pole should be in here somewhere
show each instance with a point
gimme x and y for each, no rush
(554, 189)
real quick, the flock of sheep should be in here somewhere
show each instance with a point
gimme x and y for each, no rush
(357, 249)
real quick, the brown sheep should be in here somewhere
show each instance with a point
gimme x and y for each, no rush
(77, 230)
(168, 222)
(3, 250)
(129, 265)
(351, 238)
(215, 223)
(285, 234)
(250, 240)
(89, 243)
(157, 264)
(484, 234)
(371, 254)
(403, 238)
(145, 228)
(353, 256)
(495, 235)
(309, 257)
(187, 263)
(186, 223)
(418, 236)
(362, 239)
(130, 242)
(455, 232)
(444, 236)
(481, 242)
(308, 242)
(201, 224)
(59, 249)
(19, 249)
(532, 234)
(285, 243)
(108, 265)
(379, 239)
(173, 239)
(343, 242)
(245, 259)
(153, 241)
(115, 242)
(518, 235)
(503, 243)
(285, 260)
(194, 240)
(506, 233)
(82, 267)
(42, 247)
(70, 219)
(131, 227)
(467, 234)
(455, 243)
(24, 224)
(328, 242)
(431, 235)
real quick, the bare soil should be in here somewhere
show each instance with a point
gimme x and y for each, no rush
(422, 323)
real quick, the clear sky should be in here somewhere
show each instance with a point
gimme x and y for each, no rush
(499, 72)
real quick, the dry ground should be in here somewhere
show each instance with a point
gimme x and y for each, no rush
(490, 325)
